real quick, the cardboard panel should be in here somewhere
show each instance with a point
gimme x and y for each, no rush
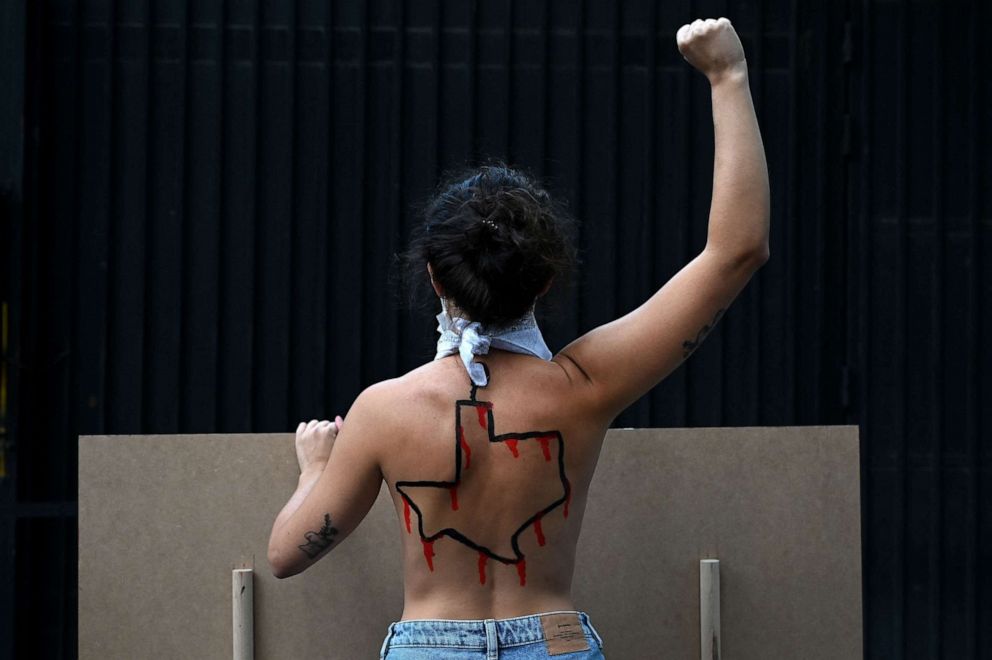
(164, 519)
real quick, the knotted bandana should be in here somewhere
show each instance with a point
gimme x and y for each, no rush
(470, 338)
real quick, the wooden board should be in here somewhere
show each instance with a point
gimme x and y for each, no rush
(164, 519)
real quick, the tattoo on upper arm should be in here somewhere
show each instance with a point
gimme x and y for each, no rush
(689, 345)
(319, 541)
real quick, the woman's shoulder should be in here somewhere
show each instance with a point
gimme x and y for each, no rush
(423, 384)
(437, 383)
(405, 403)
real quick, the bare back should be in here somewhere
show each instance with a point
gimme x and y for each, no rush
(490, 484)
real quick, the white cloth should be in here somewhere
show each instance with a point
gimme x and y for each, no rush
(470, 338)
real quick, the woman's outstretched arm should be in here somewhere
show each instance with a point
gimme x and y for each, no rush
(622, 360)
(739, 210)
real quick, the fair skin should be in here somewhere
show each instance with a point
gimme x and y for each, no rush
(512, 561)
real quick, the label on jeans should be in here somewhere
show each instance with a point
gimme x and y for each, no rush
(563, 633)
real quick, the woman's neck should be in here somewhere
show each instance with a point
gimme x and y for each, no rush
(454, 311)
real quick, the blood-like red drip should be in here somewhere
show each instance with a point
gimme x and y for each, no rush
(540, 533)
(429, 553)
(482, 567)
(465, 447)
(544, 447)
(522, 571)
(481, 409)
(454, 497)
(568, 500)
(406, 514)
(512, 444)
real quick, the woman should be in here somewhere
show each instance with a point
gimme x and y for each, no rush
(488, 450)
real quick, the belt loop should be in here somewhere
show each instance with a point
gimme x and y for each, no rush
(385, 642)
(595, 633)
(492, 646)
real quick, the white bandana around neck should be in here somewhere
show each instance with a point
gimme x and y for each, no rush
(469, 339)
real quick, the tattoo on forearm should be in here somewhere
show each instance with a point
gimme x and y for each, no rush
(319, 541)
(689, 345)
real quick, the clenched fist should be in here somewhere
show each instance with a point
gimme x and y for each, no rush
(314, 442)
(712, 46)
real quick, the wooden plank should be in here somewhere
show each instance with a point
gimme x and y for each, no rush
(709, 609)
(242, 613)
(758, 498)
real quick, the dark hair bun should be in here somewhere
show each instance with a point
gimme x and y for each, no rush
(494, 239)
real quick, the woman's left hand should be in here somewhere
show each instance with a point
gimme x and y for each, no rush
(314, 442)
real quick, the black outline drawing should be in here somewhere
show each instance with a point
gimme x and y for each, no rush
(454, 533)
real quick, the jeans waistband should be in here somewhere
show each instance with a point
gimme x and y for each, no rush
(475, 633)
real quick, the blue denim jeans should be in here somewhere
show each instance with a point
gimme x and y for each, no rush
(516, 638)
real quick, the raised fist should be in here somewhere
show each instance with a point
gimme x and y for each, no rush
(712, 46)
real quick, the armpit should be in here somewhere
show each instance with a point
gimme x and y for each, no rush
(573, 370)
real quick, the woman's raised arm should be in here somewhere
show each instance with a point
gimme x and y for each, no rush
(625, 358)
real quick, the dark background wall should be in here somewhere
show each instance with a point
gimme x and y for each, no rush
(201, 201)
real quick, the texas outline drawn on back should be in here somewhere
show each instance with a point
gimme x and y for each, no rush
(463, 461)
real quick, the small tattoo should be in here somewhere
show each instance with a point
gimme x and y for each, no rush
(689, 345)
(317, 542)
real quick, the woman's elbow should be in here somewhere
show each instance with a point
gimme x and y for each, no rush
(279, 566)
(761, 255)
(754, 256)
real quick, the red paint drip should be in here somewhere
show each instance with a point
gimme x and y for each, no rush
(539, 532)
(568, 500)
(406, 515)
(454, 497)
(429, 553)
(544, 447)
(482, 568)
(512, 444)
(481, 409)
(522, 571)
(465, 447)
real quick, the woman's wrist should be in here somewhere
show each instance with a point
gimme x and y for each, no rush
(309, 476)
(734, 74)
